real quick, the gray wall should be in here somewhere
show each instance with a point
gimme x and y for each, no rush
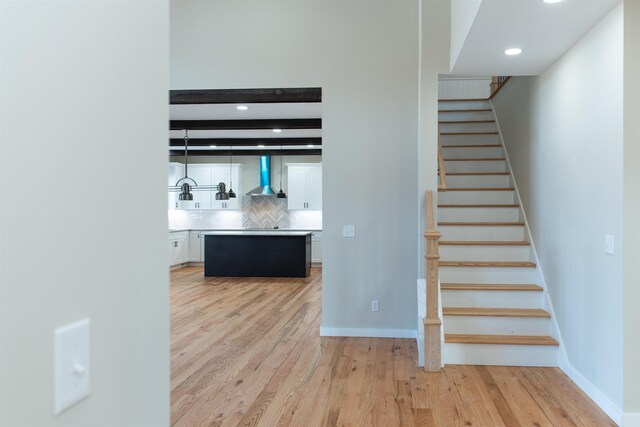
(83, 220)
(364, 56)
(631, 213)
(563, 134)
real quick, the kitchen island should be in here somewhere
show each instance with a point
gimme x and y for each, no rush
(257, 254)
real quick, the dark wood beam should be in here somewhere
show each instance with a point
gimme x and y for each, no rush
(245, 96)
(243, 142)
(246, 124)
(226, 153)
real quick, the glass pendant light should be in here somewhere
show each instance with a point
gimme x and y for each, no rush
(281, 194)
(232, 194)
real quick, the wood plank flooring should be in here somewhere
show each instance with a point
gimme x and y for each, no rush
(247, 352)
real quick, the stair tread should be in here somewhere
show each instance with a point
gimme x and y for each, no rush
(470, 110)
(465, 121)
(463, 99)
(480, 206)
(476, 189)
(480, 223)
(495, 312)
(484, 243)
(473, 145)
(488, 287)
(486, 264)
(476, 173)
(480, 159)
(468, 133)
(500, 339)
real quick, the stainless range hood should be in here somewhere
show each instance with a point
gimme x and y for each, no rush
(264, 189)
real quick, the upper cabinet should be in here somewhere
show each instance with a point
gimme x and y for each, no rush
(304, 186)
(176, 171)
(209, 174)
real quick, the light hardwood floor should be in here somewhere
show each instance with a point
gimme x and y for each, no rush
(248, 352)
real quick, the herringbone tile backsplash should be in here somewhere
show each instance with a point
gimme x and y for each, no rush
(264, 212)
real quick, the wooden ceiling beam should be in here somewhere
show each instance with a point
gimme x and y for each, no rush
(226, 153)
(245, 96)
(243, 142)
(260, 124)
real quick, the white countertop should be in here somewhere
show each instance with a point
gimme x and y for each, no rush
(265, 230)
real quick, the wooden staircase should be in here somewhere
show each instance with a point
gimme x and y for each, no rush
(493, 309)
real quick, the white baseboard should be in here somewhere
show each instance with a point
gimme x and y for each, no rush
(368, 332)
(631, 419)
(595, 394)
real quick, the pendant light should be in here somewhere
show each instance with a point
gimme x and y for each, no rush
(232, 195)
(281, 194)
(185, 189)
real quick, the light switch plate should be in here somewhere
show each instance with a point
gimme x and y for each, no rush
(375, 305)
(349, 231)
(609, 247)
(72, 365)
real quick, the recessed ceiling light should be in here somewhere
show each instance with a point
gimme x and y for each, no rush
(513, 51)
(212, 146)
(310, 146)
(242, 107)
(261, 146)
(552, 1)
(277, 130)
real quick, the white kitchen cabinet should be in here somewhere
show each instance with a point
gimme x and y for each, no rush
(201, 174)
(304, 186)
(210, 175)
(196, 246)
(316, 247)
(178, 248)
(176, 171)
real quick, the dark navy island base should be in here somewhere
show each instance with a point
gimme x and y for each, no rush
(257, 254)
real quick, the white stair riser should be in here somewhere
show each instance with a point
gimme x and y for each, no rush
(469, 139)
(475, 166)
(468, 127)
(484, 253)
(475, 197)
(488, 275)
(472, 153)
(500, 355)
(473, 115)
(478, 181)
(478, 214)
(491, 299)
(463, 105)
(455, 232)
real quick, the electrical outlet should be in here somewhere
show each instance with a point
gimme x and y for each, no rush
(375, 305)
(349, 231)
(609, 245)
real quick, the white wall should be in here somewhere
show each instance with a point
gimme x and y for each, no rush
(563, 134)
(83, 220)
(463, 13)
(631, 209)
(364, 56)
(434, 59)
(464, 87)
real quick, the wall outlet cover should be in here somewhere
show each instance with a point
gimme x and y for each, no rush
(609, 245)
(349, 231)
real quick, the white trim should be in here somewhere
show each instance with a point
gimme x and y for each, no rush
(631, 419)
(594, 393)
(368, 332)
(563, 359)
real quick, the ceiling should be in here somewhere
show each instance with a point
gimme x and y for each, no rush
(544, 32)
(217, 127)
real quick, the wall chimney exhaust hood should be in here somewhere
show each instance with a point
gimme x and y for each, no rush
(264, 189)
